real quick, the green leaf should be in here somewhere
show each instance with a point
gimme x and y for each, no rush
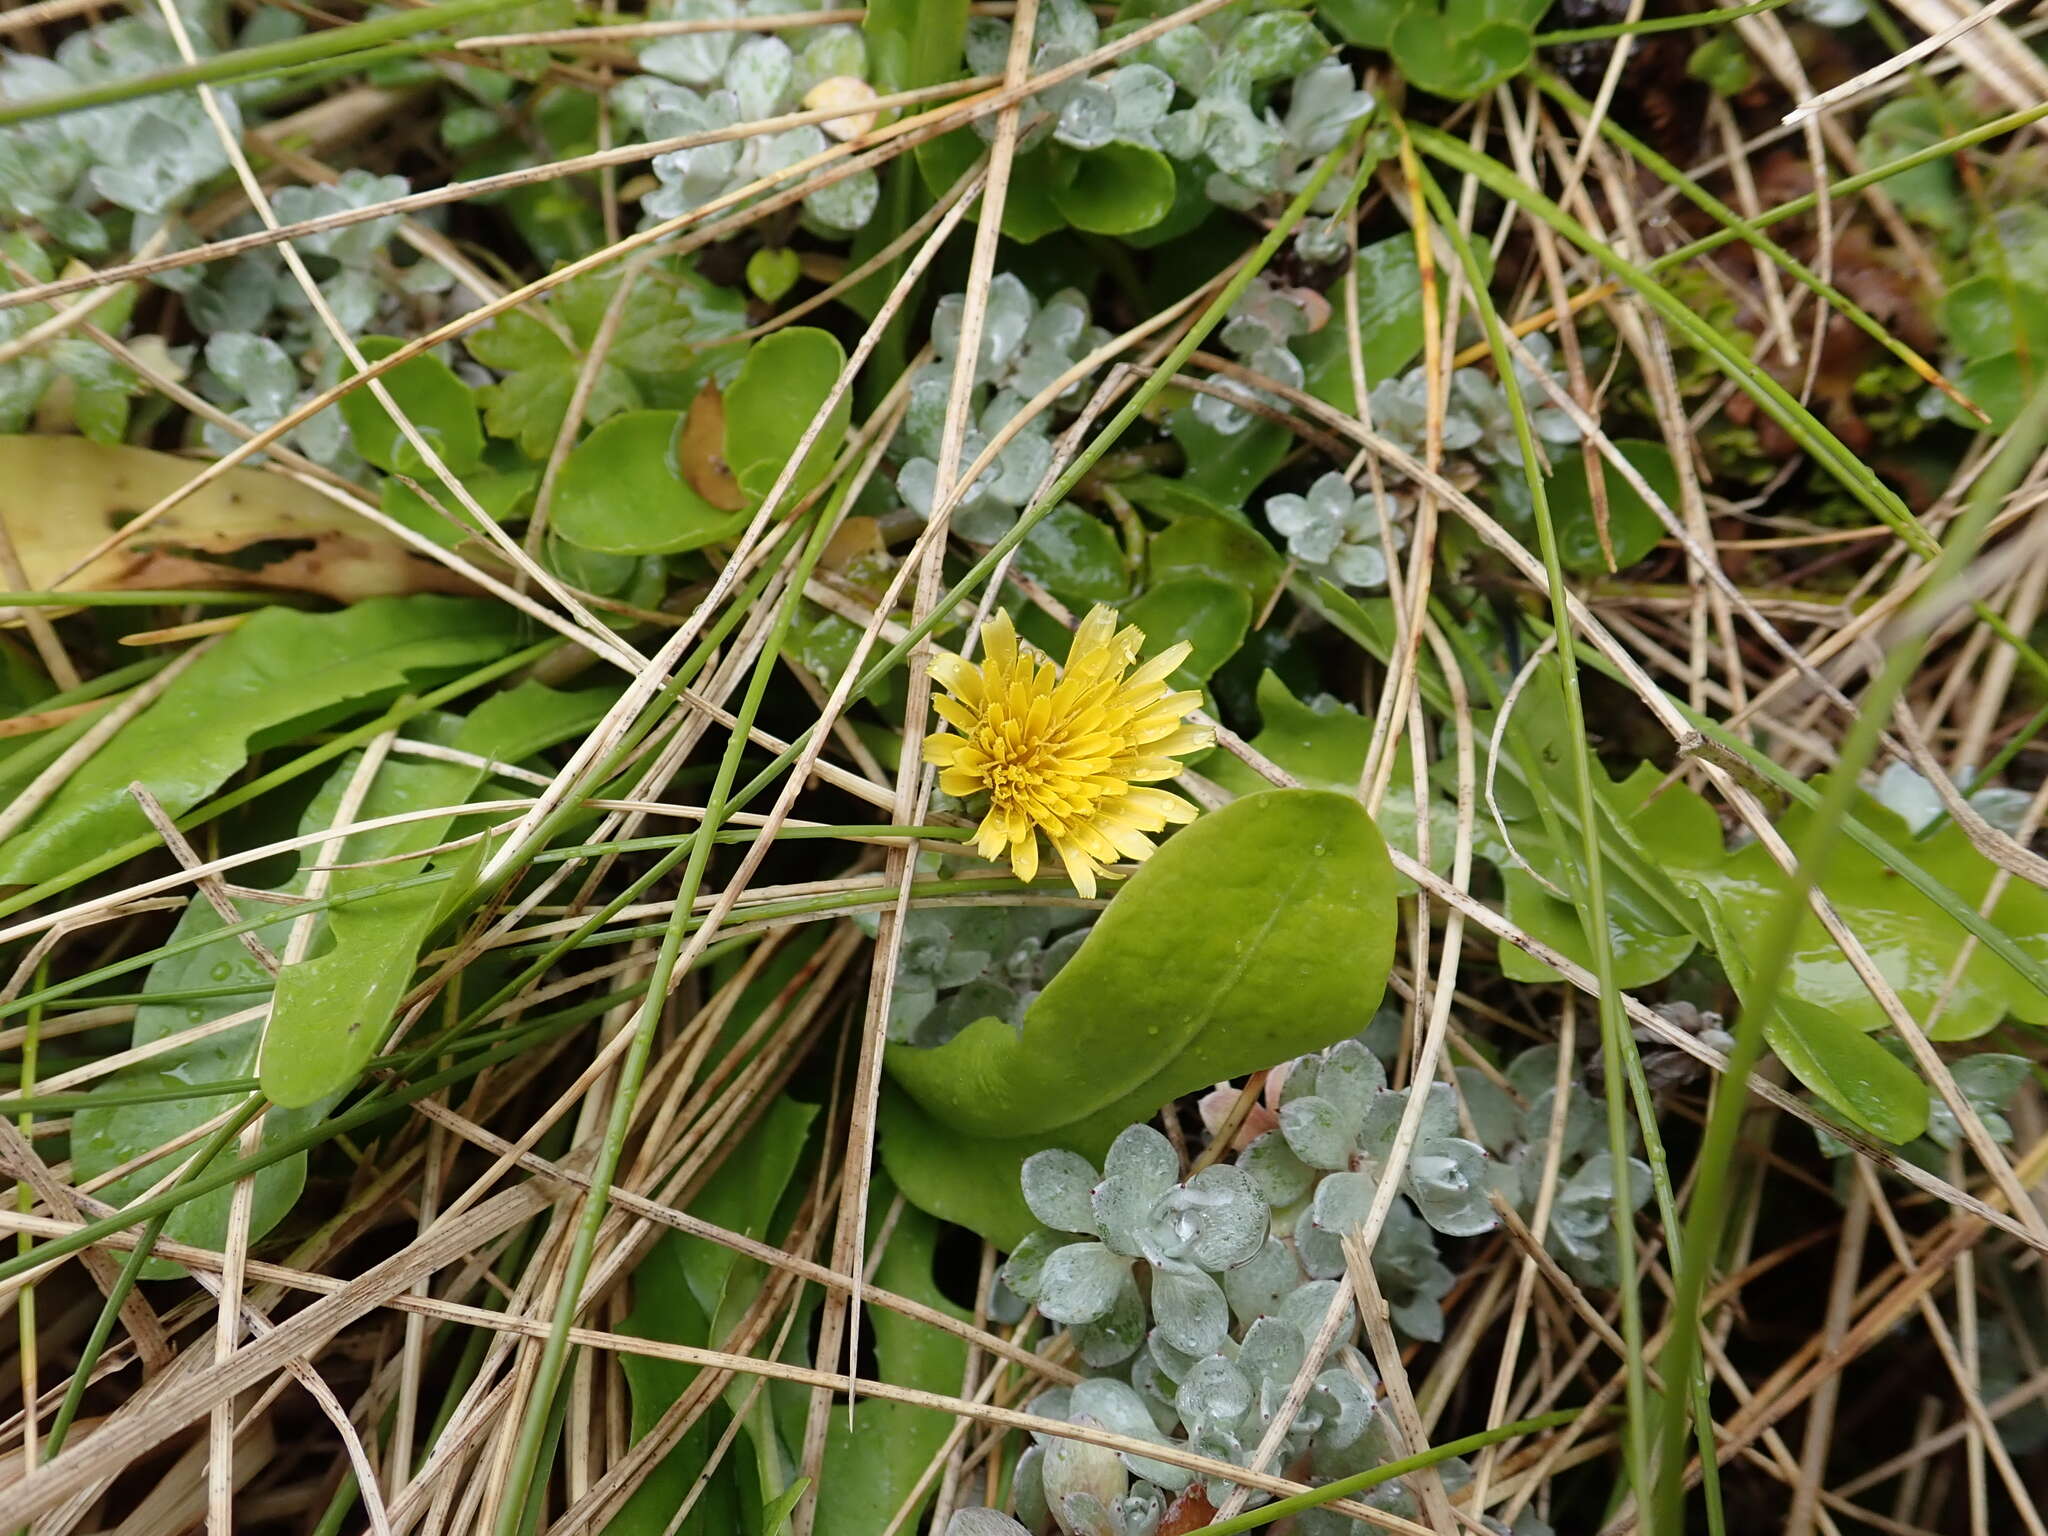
(1460, 65)
(1210, 615)
(334, 1007)
(1228, 466)
(1631, 524)
(1849, 1070)
(504, 496)
(279, 667)
(785, 379)
(1118, 189)
(1984, 317)
(1369, 23)
(432, 398)
(2000, 385)
(621, 491)
(1075, 557)
(773, 272)
(1216, 548)
(1389, 325)
(1261, 932)
(1029, 213)
(1276, 45)
(913, 42)
(107, 1137)
(1172, 499)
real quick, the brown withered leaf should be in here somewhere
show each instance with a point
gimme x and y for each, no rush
(702, 452)
(61, 496)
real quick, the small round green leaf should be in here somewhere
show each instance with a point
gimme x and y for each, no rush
(1116, 190)
(432, 398)
(621, 492)
(1210, 615)
(784, 380)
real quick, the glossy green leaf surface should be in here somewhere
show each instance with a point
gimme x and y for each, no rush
(432, 398)
(281, 666)
(1259, 933)
(785, 379)
(1116, 190)
(621, 491)
(1210, 615)
(1389, 325)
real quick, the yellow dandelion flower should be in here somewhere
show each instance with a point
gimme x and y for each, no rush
(1066, 751)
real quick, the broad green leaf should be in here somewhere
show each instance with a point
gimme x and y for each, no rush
(1115, 190)
(1389, 325)
(1173, 499)
(1984, 318)
(335, 1006)
(1029, 213)
(106, 1137)
(1850, 1071)
(1369, 23)
(913, 42)
(1632, 526)
(785, 379)
(1210, 615)
(281, 666)
(1217, 548)
(503, 495)
(1259, 933)
(1075, 557)
(1228, 466)
(621, 491)
(432, 398)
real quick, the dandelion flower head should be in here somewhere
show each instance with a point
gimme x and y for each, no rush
(1068, 751)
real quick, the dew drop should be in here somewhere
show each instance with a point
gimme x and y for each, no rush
(223, 970)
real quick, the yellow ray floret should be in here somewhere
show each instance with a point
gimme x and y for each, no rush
(1066, 751)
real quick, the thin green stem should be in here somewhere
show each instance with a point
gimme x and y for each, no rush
(1655, 24)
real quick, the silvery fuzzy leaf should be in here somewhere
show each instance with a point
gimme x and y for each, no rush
(759, 74)
(1088, 119)
(1116, 1335)
(1057, 1185)
(1346, 1407)
(1156, 1390)
(1495, 1116)
(847, 204)
(1144, 1507)
(1243, 143)
(1419, 1317)
(1027, 1488)
(1318, 1132)
(1143, 94)
(1281, 1178)
(1189, 1309)
(1342, 1203)
(353, 294)
(1532, 1072)
(1145, 1156)
(1222, 1218)
(1321, 1253)
(1021, 466)
(1360, 566)
(1022, 1272)
(1255, 1287)
(988, 45)
(1326, 102)
(1174, 1364)
(1116, 1406)
(983, 520)
(1068, 25)
(1077, 1475)
(981, 1522)
(1439, 1118)
(1272, 1352)
(1124, 1209)
(1009, 316)
(1277, 44)
(694, 58)
(1986, 1082)
(238, 296)
(1349, 1075)
(1058, 324)
(1083, 1514)
(1005, 1306)
(1179, 134)
(1307, 1305)
(1215, 1393)
(916, 483)
(830, 51)
(1447, 1179)
(1079, 1282)
(256, 368)
(1053, 1403)
(1311, 537)
(1185, 54)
